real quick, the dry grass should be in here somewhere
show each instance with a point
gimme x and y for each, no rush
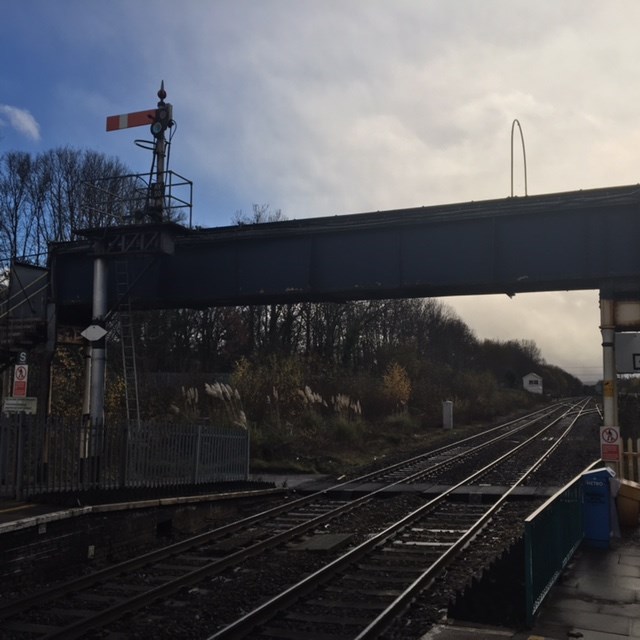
(342, 447)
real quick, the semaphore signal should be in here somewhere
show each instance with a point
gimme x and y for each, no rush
(160, 119)
(127, 120)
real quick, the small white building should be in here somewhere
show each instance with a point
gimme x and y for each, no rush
(532, 382)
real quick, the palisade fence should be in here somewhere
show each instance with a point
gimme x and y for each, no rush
(631, 460)
(42, 457)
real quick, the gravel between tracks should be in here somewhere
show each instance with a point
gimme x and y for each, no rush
(199, 611)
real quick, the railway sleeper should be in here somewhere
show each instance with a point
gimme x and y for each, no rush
(73, 613)
(346, 603)
(383, 593)
(434, 540)
(415, 552)
(325, 619)
(193, 560)
(122, 586)
(272, 633)
(30, 627)
(437, 531)
(379, 569)
(375, 579)
(173, 569)
(97, 598)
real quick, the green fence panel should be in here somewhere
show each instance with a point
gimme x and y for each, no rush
(552, 533)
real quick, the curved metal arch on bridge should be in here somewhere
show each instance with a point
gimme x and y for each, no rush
(524, 156)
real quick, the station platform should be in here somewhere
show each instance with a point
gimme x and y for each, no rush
(12, 511)
(596, 598)
(19, 514)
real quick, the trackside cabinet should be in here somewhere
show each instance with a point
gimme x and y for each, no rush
(598, 507)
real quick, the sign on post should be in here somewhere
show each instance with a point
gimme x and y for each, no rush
(20, 379)
(610, 444)
(20, 405)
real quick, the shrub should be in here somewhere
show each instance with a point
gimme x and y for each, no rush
(396, 387)
(269, 387)
(401, 422)
(311, 422)
(346, 431)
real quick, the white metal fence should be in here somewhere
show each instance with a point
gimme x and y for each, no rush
(57, 456)
(631, 460)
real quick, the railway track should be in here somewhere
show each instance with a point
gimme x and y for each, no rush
(358, 595)
(97, 600)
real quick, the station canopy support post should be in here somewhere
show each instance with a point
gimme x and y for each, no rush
(609, 386)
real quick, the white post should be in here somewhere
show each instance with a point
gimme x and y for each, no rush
(98, 348)
(447, 414)
(609, 386)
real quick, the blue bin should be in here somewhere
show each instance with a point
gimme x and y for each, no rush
(597, 507)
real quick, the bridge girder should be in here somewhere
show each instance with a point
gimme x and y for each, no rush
(565, 241)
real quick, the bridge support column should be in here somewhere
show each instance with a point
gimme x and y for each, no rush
(98, 348)
(609, 387)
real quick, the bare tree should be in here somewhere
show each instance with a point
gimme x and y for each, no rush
(16, 223)
(44, 199)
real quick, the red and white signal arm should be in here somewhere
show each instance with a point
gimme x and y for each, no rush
(127, 120)
(610, 444)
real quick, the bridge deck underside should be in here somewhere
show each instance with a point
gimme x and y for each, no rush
(574, 240)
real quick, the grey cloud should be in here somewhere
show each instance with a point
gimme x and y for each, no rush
(21, 120)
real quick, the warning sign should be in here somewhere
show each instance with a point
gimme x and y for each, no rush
(20, 377)
(20, 405)
(610, 444)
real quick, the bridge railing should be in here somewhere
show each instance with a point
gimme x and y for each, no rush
(58, 456)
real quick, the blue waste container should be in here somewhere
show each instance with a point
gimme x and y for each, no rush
(597, 507)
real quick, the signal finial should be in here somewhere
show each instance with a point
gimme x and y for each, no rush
(162, 94)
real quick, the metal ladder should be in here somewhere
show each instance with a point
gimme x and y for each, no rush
(127, 342)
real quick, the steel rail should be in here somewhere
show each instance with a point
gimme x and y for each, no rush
(116, 611)
(76, 584)
(382, 621)
(266, 611)
(80, 627)
(453, 445)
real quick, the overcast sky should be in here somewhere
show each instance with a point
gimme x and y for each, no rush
(331, 107)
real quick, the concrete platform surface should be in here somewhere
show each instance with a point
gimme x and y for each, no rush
(596, 598)
(464, 631)
(12, 510)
